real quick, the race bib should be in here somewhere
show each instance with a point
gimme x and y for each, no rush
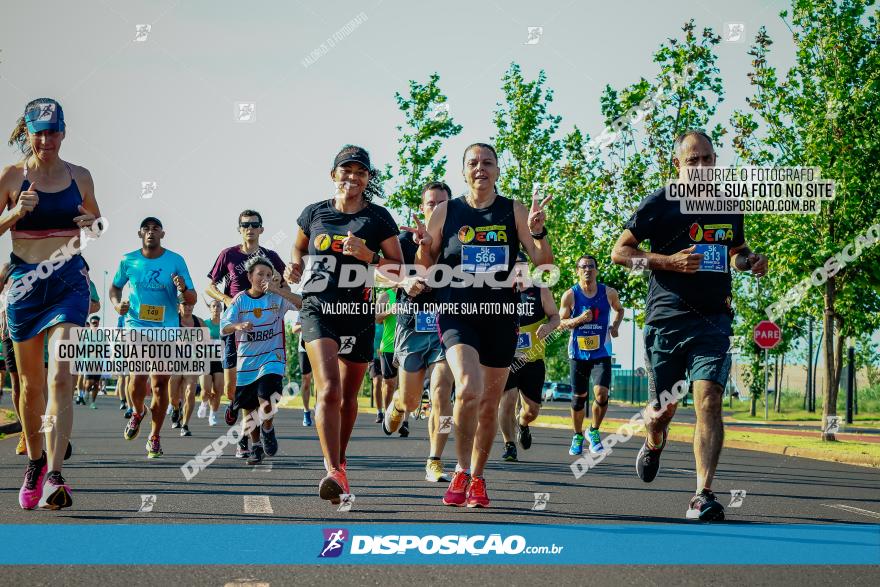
(479, 259)
(714, 257)
(426, 322)
(524, 341)
(588, 343)
(152, 313)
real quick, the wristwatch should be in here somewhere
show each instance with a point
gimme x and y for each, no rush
(376, 259)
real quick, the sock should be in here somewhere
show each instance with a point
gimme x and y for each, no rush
(269, 430)
(433, 458)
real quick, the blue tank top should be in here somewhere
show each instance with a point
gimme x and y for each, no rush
(53, 215)
(588, 341)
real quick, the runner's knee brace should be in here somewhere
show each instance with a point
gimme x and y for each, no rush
(578, 402)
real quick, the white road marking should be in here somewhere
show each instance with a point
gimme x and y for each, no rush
(257, 504)
(681, 471)
(849, 508)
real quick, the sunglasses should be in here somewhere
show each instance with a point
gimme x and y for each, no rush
(250, 224)
(586, 266)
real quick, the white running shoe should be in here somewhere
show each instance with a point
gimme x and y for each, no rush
(203, 410)
(212, 418)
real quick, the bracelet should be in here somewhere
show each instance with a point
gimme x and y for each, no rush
(540, 235)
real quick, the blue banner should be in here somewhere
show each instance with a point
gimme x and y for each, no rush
(383, 544)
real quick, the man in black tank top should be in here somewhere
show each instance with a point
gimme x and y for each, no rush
(689, 315)
(476, 238)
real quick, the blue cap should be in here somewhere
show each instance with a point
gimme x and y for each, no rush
(44, 115)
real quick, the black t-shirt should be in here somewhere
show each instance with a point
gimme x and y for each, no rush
(419, 302)
(672, 294)
(326, 228)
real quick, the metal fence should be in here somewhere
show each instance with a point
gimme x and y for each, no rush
(628, 386)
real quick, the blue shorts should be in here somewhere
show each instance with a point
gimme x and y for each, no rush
(39, 298)
(230, 351)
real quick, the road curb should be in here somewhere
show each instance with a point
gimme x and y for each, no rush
(11, 428)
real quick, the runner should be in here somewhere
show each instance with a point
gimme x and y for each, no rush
(125, 380)
(476, 234)
(305, 369)
(346, 230)
(256, 319)
(585, 311)
(92, 381)
(538, 317)
(418, 348)
(182, 388)
(157, 277)
(229, 269)
(212, 382)
(380, 400)
(688, 316)
(9, 355)
(43, 310)
(387, 366)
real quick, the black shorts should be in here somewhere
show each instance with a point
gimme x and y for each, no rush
(92, 377)
(305, 366)
(9, 355)
(216, 367)
(230, 353)
(248, 396)
(353, 333)
(493, 338)
(375, 368)
(580, 371)
(388, 366)
(529, 379)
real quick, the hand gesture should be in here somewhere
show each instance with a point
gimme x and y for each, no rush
(543, 331)
(686, 260)
(355, 247)
(293, 272)
(758, 264)
(179, 282)
(420, 233)
(246, 326)
(413, 286)
(123, 307)
(27, 201)
(537, 216)
(86, 218)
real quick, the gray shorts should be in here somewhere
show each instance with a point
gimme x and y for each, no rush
(415, 351)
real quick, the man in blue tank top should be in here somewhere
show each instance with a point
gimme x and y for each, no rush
(585, 310)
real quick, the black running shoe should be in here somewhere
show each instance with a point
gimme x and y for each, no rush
(524, 436)
(241, 450)
(69, 451)
(509, 452)
(404, 429)
(184, 431)
(175, 418)
(379, 417)
(122, 406)
(231, 416)
(256, 455)
(648, 460)
(128, 413)
(270, 442)
(705, 507)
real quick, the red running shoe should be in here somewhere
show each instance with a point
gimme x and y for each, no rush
(456, 493)
(334, 485)
(476, 493)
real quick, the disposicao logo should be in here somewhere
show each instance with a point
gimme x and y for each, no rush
(334, 540)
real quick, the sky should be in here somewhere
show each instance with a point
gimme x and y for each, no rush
(164, 108)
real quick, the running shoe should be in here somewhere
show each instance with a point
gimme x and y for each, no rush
(212, 418)
(705, 507)
(32, 489)
(184, 431)
(154, 449)
(456, 493)
(203, 410)
(333, 485)
(476, 493)
(270, 442)
(175, 421)
(21, 449)
(524, 436)
(509, 452)
(56, 493)
(241, 449)
(168, 411)
(231, 415)
(434, 471)
(404, 429)
(128, 413)
(379, 417)
(393, 419)
(69, 451)
(256, 456)
(122, 406)
(93, 406)
(648, 460)
(133, 426)
(595, 442)
(577, 445)
(307, 418)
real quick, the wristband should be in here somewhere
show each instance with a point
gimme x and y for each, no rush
(540, 235)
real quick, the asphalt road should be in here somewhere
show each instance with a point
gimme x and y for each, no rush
(109, 476)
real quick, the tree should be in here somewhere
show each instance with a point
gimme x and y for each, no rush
(427, 121)
(822, 113)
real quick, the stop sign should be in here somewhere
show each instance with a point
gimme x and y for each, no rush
(767, 334)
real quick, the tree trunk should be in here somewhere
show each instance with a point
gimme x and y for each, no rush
(833, 358)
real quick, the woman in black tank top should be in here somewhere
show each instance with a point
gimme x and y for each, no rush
(478, 236)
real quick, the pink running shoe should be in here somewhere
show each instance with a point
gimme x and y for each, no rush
(32, 489)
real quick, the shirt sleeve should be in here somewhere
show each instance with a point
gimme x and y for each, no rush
(228, 313)
(387, 226)
(305, 219)
(93, 292)
(288, 306)
(276, 261)
(218, 271)
(121, 277)
(644, 219)
(183, 271)
(739, 232)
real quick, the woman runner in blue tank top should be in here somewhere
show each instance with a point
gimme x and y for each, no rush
(47, 202)
(479, 233)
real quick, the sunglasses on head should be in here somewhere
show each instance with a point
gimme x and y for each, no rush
(250, 224)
